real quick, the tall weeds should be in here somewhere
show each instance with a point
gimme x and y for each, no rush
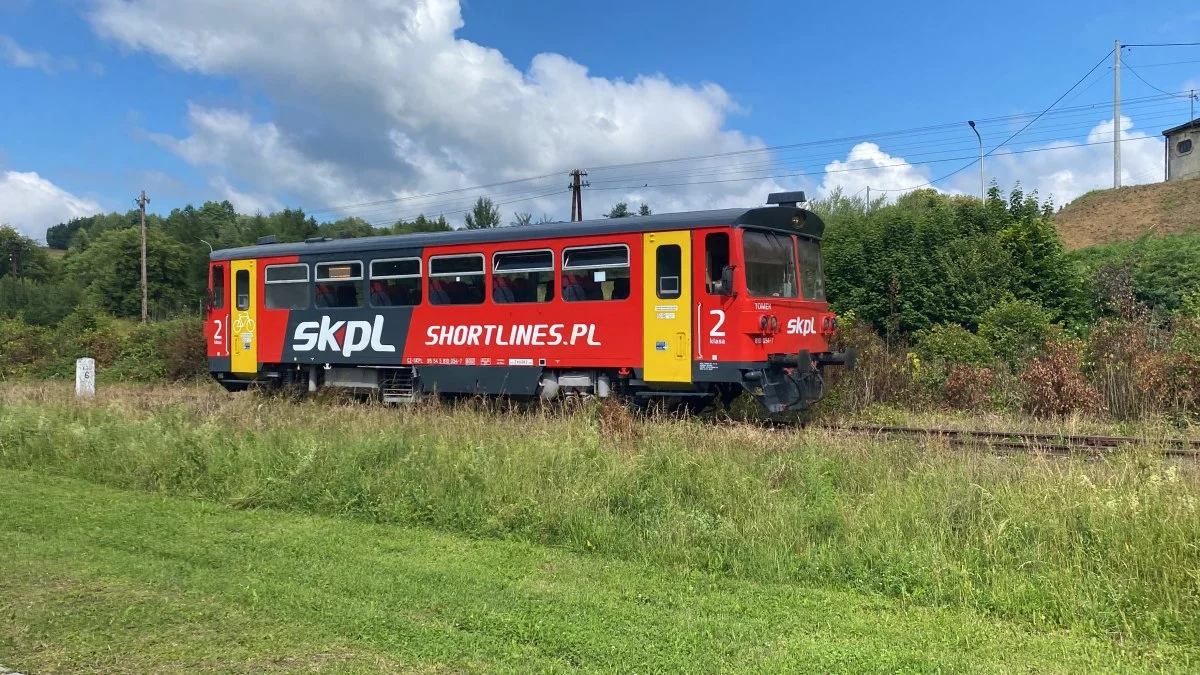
(1106, 547)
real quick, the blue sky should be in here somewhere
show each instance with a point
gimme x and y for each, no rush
(316, 103)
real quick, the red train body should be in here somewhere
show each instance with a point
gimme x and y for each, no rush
(686, 307)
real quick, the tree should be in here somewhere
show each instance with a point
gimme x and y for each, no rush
(545, 219)
(421, 224)
(931, 258)
(111, 273)
(619, 210)
(644, 209)
(348, 227)
(483, 215)
(521, 218)
(21, 257)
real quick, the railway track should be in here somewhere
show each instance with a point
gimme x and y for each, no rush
(1058, 444)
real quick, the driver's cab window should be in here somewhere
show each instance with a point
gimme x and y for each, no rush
(716, 258)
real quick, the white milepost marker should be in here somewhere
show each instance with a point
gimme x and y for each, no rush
(85, 377)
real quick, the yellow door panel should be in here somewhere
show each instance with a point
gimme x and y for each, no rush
(667, 289)
(243, 334)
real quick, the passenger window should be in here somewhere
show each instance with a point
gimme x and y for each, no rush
(396, 283)
(595, 273)
(241, 287)
(668, 270)
(716, 259)
(339, 284)
(812, 276)
(218, 287)
(286, 287)
(456, 279)
(523, 276)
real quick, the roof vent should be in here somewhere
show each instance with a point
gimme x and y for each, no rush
(269, 239)
(316, 240)
(787, 198)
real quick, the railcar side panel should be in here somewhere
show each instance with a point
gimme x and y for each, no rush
(569, 331)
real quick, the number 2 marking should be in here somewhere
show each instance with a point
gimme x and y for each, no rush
(716, 329)
(217, 339)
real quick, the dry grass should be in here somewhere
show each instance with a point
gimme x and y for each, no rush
(1107, 216)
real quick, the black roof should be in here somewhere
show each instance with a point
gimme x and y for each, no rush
(785, 218)
(1186, 125)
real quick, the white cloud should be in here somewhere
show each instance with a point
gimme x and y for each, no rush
(1063, 170)
(868, 166)
(18, 57)
(386, 101)
(245, 202)
(258, 153)
(31, 203)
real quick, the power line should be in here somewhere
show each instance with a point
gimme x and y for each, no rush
(1135, 74)
(1169, 63)
(1044, 134)
(433, 194)
(868, 168)
(1166, 44)
(1027, 125)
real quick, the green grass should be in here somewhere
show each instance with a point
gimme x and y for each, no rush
(1105, 549)
(100, 580)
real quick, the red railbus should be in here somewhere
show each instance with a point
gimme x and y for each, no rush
(686, 307)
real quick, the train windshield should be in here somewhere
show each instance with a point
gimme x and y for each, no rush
(770, 264)
(812, 276)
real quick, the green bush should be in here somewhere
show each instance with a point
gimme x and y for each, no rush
(124, 351)
(1016, 329)
(22, 346)
(953, 344)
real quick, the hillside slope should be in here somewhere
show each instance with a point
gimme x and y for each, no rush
(1105, 216)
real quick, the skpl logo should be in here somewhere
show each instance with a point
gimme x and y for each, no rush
(800, 326)
(344, 336)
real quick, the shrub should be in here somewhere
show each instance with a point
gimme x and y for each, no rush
(954, 344)
(184, 349)
(1054, 384)
(21, 345)
(1016, 330)
(968, 387)
(1128, 365)
(882, 374)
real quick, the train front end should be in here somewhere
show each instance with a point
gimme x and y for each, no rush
(776, 326)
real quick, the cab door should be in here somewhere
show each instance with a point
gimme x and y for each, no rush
(243, 337)
(666, 288)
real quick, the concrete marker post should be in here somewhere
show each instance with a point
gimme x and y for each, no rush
(85, 377)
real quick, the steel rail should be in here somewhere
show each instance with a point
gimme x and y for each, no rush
(1054, 443)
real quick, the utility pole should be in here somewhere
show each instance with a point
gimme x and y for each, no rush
(577, 185)
(868, 199)
(1117, 114)
(142, 200)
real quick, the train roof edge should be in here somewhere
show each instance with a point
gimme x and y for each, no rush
(783, 218)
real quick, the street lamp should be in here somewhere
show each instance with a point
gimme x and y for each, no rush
(982, 189)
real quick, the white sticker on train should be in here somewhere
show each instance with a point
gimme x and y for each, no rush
(522, 335)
